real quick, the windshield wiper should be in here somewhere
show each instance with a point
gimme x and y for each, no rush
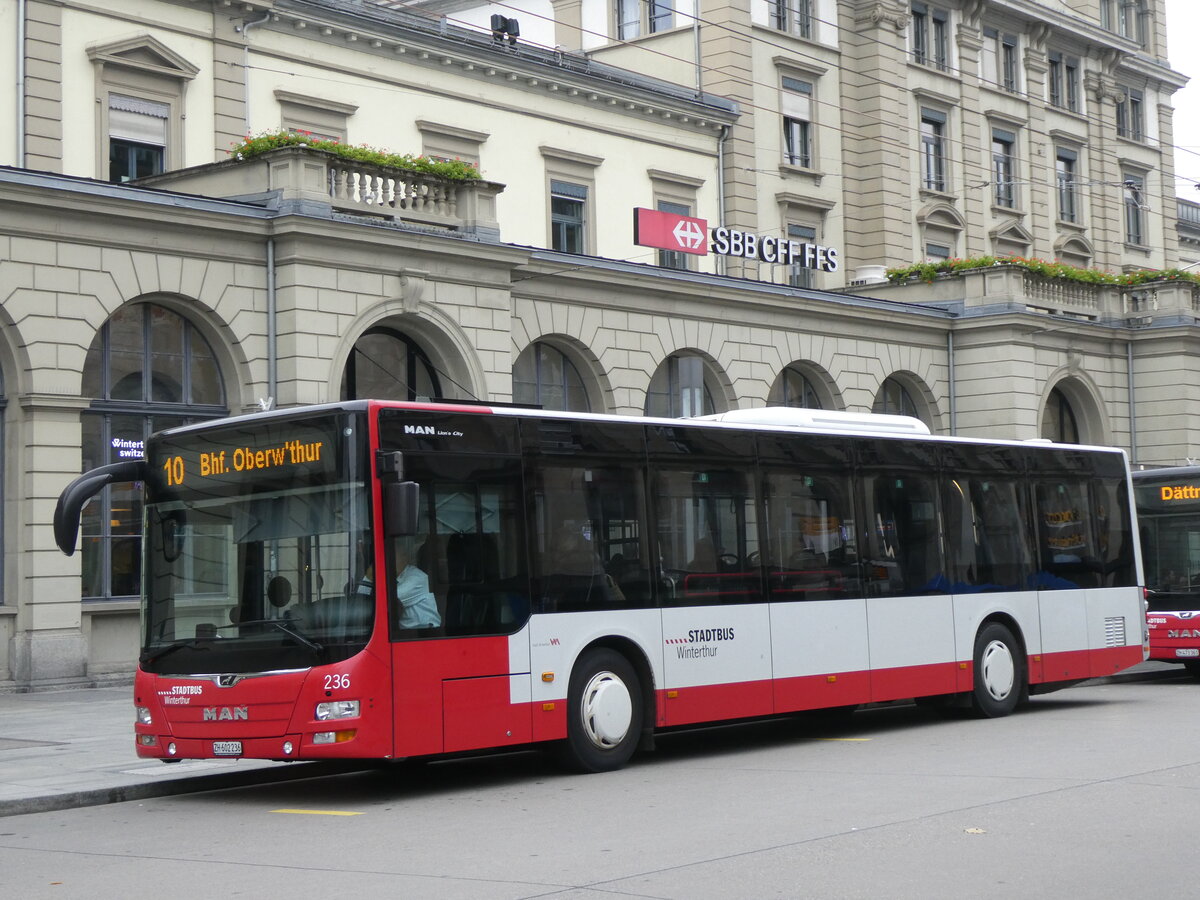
(283, 626)
(193, 643)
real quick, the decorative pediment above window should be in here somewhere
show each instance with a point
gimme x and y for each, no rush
(1012, 233)
(1073, 247)
(145, 54)
(941, 215)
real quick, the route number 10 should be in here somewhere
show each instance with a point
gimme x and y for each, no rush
(174, 469)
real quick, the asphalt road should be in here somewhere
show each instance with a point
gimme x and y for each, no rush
(1087, 793)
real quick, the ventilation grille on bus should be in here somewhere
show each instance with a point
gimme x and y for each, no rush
(1114, 631)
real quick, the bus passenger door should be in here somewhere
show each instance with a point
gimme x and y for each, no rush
(715, 620)
(459, 609)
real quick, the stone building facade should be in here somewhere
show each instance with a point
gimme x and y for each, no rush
(209, 285)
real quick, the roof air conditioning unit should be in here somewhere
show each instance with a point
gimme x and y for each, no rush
(869, 275)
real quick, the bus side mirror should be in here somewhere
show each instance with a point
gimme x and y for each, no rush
(401, 505)
(78, 492)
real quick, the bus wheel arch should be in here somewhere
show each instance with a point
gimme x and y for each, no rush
(609, 707)
(1000, 670)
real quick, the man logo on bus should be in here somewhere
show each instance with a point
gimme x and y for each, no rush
(225, 713)
(1183, 632)
(419, 429)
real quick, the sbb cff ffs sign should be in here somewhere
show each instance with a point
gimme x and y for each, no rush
(669, 231)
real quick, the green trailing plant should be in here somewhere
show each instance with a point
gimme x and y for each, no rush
(928, 271)
(256, 145)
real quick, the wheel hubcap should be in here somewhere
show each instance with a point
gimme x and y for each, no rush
(607, 710)
(998, 670)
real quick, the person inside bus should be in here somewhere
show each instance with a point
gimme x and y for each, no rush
(416, 602)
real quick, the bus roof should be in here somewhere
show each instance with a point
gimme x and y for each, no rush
(765, 419)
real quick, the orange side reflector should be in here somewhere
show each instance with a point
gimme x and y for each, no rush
(831, 679)
(547, 707)
(671, 695)
(547, 677)
(962, 666)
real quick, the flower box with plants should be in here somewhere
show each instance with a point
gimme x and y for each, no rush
(928, 271)
(256, 145)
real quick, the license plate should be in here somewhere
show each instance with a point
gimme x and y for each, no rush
(1188, 651)
(227, 748)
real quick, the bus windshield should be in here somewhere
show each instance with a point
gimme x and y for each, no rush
(256, 542)
(1168, 508)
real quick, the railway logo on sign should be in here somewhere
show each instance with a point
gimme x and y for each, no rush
(670, 231)
(689, 234)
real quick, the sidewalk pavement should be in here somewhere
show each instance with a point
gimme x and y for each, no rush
(63, 749)
(70, 748)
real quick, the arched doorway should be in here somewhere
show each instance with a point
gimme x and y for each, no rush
(895, 399)
(545, 376)
(1059, 421)
(387, 364)
(149, 368)
(682, 386)
(795, 388)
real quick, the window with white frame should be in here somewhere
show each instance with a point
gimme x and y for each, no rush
(1063, 81)
(568, 216)
(796, 103)
(140, 84)
(570, 189)
(1134, 185)
(930, 36)
(1004, 175)
(1066, 177)
(793, 16)
(637, 17)
(999, 59)
(933, 149)
(137, 137)
(1131, 114)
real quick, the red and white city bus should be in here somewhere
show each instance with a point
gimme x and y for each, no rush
(1168, 512)
(389, 580)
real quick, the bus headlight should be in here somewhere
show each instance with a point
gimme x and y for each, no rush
(143, 715)
(337, 709)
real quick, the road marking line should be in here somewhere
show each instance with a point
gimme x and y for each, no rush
(316, 812)
(847, 740)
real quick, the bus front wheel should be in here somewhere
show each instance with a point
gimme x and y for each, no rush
(999, 672)
(604, 712)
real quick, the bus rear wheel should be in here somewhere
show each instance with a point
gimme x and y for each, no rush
(604, 712)
(999, 672)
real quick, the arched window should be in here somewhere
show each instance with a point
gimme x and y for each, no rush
(388, 365)
(894, 399)
(148, 369)
(793, 388)
(544, 376)
(680, 388)
(1058, 419)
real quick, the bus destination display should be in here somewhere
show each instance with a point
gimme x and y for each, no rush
(242, 459)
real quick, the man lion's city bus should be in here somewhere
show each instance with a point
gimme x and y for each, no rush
(1168, 513)
(396, 580)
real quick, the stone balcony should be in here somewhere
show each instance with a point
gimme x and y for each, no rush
(305, 181)
(1009, 288)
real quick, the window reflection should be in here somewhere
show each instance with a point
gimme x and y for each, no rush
(148, 369)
